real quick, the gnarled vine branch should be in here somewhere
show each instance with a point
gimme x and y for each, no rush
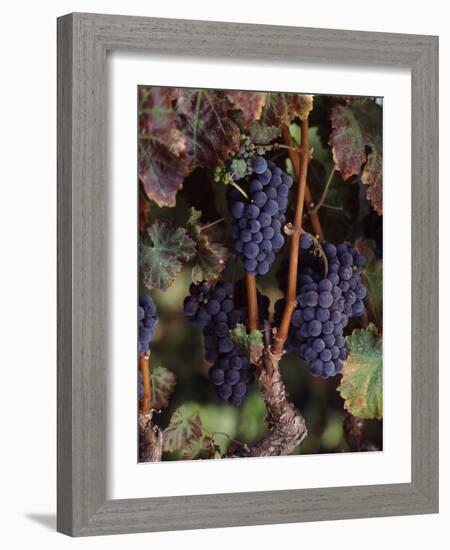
(286, 425)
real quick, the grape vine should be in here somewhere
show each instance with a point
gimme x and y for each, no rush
(278, 175)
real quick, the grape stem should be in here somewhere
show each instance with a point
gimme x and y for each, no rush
(252, 302)
(239, 188)
(291, 292)
(145, 403)
(208, 225)
(295, 157)
(150, 436)
(317, 207)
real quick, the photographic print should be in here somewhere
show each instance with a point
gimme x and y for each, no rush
(260, 308)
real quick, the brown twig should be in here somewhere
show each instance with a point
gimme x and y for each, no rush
(296, 165)
(145, 403)
(211, 224)
(291, 293)
(150, 436)
(252, 302)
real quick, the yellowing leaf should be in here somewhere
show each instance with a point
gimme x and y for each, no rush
(361, 385)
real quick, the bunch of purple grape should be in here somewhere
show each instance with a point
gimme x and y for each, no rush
(325, 303)
(258, 221)
(147, 320)
(213, 308)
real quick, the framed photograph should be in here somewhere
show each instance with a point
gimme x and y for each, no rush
(247, 274)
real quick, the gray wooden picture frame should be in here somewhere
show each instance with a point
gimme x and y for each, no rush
(83, 42)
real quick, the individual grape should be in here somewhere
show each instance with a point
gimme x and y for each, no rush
(251, 250)
(252, 211)
(259, 165)
(147, 320)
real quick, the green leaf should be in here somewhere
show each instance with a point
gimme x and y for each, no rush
(356, 126)
(261, 134)
(239, 336)
(210, 258)
(373, 279)
(162, 254)
(163, 384)
(252, 343)
(361, 385)
(186, 435)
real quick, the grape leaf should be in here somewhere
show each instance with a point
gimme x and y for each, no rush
(239, 336)
(210, 258)
(162, 254)
(186, 434)
(163, 384)
(163, 160)
(250, 103)
(373, 279)
(355, 127)
(281, 108)
(202, 116)
(263, 134)
(361, 385)
(250, 343)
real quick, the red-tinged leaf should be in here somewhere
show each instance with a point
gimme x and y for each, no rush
(250, 103)
(203, 119)
(372, 176)
(162, 253)
(163, 160)
(161, 172)
(210, 258)
(356, 127)
(281, 108)
(347, 141)
(163, 385)
(184, 428)
(187, 436)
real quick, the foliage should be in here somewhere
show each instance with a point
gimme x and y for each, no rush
(191, 141)
(356, 126)
(210, 258)
(362, 383)
(163, 385)
(162, 254)
(187, 435)
(252, 343)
